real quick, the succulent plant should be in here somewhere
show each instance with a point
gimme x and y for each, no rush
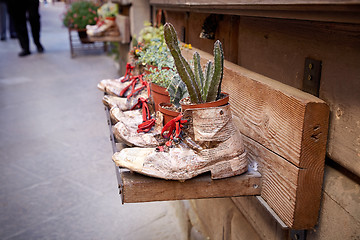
(202, 86)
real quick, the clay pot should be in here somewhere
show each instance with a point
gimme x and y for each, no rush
(83, 36)
(222, 101)
(167, 113)
(159, 95)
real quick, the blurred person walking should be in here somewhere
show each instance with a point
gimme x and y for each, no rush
(22, 10)
(3, 22)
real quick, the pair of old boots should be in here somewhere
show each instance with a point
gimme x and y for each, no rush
(103, 27)
(197, 141)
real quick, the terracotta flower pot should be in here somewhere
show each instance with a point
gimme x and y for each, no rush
(167, 113)
(222, 101)
(159, 95)
(83, 36)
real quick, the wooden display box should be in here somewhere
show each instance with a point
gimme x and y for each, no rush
(285, 133)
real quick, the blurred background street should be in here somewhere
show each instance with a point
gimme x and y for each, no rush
(57, 177)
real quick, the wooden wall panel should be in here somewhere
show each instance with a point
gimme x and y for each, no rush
(178, 19)
(278, 49)
(220, 219)
(264, 223)
(340, 212)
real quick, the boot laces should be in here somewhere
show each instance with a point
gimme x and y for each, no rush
(128, 72)
(133, 91)
(173, 128)
(148, 121)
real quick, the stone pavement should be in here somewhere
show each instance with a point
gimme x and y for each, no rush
(56, 174)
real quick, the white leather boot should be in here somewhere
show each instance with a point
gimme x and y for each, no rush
(207, 142)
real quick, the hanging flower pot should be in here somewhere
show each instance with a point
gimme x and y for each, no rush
(167, 109)
(185, 103)
(159, 95)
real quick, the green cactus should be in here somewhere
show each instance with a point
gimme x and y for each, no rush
(202, 86)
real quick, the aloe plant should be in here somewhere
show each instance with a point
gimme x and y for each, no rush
(202, 86)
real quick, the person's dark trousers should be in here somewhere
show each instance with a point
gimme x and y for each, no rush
(3, 13)
(12, 27)
(34, 19)
(18, 10)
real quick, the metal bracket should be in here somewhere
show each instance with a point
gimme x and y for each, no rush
(312, 74)
(298, 234)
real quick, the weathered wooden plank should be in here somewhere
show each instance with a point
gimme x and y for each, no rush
(105, 39)
(221, 219)
(285, 120)
(340, 212)
(251, 2)
(278, 56)
(266, 226)
(344, 12)
(293, 193)
(139, 188)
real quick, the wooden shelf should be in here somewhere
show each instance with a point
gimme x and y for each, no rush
(139, 188)
(105, 39)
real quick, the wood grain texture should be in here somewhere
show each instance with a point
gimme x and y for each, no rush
(272, 47)
(250, 2)
(139, 188)
(260, 219)
(221, 219)
(327, 11)
(106, 39)
(293, 193)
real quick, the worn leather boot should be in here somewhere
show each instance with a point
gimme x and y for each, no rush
(207, 142)
(137, 127)
(123, 104)
(100, 28)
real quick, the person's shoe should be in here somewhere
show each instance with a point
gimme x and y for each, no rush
(203, 140)
(13, 36)
(24, 53)
(40, 48)
(3, 38)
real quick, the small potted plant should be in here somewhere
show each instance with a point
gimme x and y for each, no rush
(160, 79)
(80, 14)
(204, 87)
(158, 62)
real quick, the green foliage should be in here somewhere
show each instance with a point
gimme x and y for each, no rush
(80, 14)
(161, 76)
(202, 86)
(154, 52)
(150, 33)
(177, 90)
(157, 54)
